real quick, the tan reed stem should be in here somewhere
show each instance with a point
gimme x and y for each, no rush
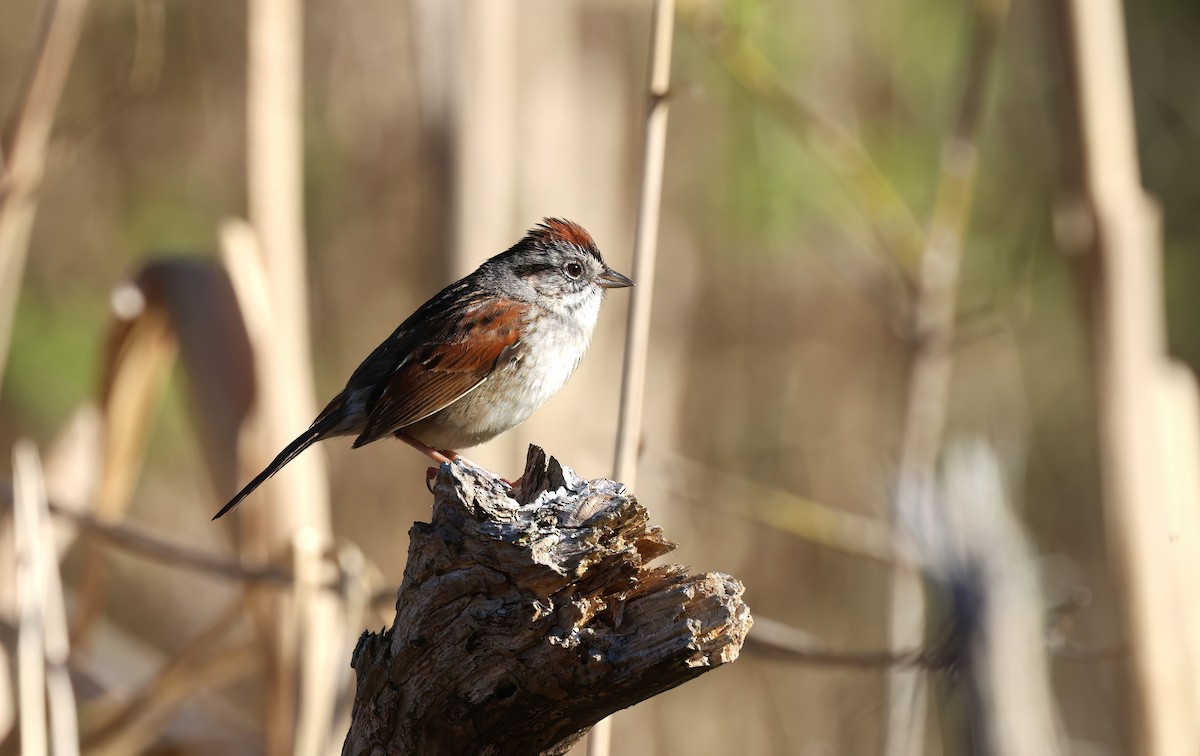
(637, 336)
(299, 497)
(1147, 405)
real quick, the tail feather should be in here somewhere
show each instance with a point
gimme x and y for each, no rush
(290, 452)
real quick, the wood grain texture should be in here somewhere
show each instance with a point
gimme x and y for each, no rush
(523, 621)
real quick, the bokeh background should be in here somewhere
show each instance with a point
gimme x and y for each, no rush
(435, 134)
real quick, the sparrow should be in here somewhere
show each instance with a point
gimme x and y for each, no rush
(478, 358)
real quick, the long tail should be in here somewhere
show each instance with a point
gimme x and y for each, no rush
(306, 439)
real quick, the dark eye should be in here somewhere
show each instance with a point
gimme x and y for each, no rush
(573, 270)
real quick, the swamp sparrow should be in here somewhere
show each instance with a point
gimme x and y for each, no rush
(478, 358)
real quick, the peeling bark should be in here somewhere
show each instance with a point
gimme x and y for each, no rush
(525, 617)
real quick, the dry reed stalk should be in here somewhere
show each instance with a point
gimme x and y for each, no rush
(167, 308)
(1179, 413)
(484, 123)
(137, 371)
(60, 693)
(31, 660)
(1150, 501)
(311, 718)
(319, 689)
(70, 470)
(358, 584)
(8, 699)
(21, 177)
(248, 273)
(637, 337)
(42, 644)
(277, 617)
(298, 498)
(149, 323)
(932, 361)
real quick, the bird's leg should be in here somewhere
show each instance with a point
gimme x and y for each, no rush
(428, 451)
(437, 456)
(440, 456)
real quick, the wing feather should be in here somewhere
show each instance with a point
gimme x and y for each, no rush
(444, 363)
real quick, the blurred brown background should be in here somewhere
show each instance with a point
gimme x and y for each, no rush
(777, 366)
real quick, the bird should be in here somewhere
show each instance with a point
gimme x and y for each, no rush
(478, 358)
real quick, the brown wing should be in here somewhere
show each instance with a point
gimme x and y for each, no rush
(447, 367)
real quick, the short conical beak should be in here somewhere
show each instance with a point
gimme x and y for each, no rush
(611, 279)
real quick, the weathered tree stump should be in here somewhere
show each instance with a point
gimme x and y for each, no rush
(522, 622)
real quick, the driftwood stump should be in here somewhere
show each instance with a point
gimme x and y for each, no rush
(523, 621)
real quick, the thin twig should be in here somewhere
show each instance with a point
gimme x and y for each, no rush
(779, 639)
(166, 552)
(354, 574)
(812, 521)
(145, 545)
(788, 643)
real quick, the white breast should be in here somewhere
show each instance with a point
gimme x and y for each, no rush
(549, 352)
